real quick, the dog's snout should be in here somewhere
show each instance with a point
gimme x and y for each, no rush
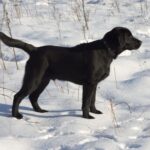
(137, 42)
(140, 42)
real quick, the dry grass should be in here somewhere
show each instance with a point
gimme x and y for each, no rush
(126, 104)
(116, 4)
(115, 123)
(7, 20)
(82, 15)
(115, 78)
(2, 57)
(56, 14)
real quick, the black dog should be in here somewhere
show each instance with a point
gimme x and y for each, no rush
(85, 64)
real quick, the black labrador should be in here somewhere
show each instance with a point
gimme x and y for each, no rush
(86, 64)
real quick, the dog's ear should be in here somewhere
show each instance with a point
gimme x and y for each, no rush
(111, 39)
(115, 40)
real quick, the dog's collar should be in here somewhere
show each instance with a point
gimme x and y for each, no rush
(109, 50)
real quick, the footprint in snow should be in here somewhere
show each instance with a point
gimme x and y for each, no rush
(87, 140)
(134, 146)
(46, 129)
(29, 120)
(45, 137)
(122, 146)
(136, 128)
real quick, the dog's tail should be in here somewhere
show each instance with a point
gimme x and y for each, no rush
(17, 43)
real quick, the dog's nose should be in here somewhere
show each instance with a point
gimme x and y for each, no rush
(140, 42)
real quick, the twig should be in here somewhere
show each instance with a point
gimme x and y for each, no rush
(5, 96)
(8, 89)
(59, 87)
(68, 87)
(126, 105)
(82, 15)
(115, 78)
(117, 5)
(8, 26)
(78, 93)
(0, 43)
(2, 57)
(57, 17)
(113, 115)
(17, 9)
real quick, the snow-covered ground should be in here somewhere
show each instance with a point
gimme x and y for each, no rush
(124, 97)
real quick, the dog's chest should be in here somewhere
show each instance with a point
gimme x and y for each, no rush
(99, 67)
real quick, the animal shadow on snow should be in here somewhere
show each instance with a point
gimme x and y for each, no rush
(58, 113)
(5, 110)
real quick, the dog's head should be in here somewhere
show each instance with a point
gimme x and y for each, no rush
(120, 39)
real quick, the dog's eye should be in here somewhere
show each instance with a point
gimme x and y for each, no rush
(130, 36)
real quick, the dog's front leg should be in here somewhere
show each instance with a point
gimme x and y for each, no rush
(92, 106)
(88, 91)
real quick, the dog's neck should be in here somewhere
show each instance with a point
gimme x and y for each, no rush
(110, 50)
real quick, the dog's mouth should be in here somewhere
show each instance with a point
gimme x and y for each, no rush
(136, 45)
(139, 44)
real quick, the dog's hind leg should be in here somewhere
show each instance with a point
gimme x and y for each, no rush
(35, 94)
(17, 99)
(32, 79)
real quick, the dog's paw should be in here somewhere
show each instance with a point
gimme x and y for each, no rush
(88, 117)
(86, 113)
(95, 111)
(18, 116)
(41, 110)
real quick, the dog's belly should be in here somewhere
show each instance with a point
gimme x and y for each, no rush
(72, 77)
(68, 72)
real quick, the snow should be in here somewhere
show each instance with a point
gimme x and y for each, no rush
(126, 89)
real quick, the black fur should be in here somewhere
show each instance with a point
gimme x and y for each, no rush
(85, 64)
